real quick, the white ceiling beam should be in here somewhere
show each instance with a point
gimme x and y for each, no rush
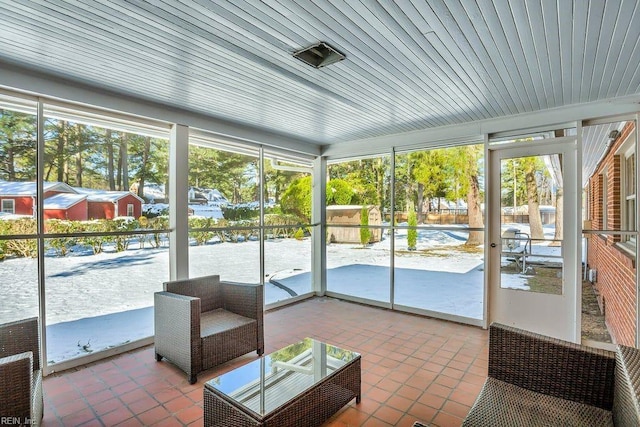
(469, 132)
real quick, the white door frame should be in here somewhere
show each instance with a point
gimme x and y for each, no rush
(554, 315)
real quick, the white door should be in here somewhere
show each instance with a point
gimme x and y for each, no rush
(534, 259)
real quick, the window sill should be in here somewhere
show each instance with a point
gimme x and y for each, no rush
(627, 251)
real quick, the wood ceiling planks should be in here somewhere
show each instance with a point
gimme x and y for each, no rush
(410, 65)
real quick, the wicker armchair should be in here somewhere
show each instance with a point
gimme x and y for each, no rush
(20, 374)
(203, 322)
(536, 380)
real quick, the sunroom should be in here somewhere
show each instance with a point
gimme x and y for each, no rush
(461, 161)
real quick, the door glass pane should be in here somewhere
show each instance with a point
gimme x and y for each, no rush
(531, 223)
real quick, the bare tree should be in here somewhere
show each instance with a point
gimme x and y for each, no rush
(110, 164)
(62, 143)
(122, 174)
(530, 165)
(78, 154)
(554, 164)
(144, 166)
(471, 156)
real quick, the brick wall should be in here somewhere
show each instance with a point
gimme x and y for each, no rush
(616, 287)
(616, 272)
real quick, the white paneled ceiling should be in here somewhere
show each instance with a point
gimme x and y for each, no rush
(410, 64)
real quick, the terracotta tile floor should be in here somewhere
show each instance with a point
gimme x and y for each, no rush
(413, 368)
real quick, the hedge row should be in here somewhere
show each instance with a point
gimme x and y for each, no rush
(61, 245)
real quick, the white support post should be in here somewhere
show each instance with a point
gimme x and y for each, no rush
(179, 203)
(319, 216)
(392, 242)
(261, 232)
(40, 222)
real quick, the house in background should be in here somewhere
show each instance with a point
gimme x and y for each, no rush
(69, 206)
(112, 204)
(19, 198)
(216, 198)
(62, 201)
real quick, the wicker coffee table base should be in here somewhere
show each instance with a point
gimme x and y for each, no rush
(311, 408)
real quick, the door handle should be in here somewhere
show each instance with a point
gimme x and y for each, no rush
(493, 245)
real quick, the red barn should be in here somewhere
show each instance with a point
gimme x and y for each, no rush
(19, 198)
(111, 204)
(65, 202)
(66, 206)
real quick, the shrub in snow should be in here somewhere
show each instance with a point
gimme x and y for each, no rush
(122, 224)
(238, 212)
(27, 248)
(201, 237)
(365, 233)
(158, 223)
(412, 233)
(284, 220)
(60, 244)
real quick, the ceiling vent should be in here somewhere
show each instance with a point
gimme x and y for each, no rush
(319, 55)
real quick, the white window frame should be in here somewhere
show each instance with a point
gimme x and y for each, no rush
(605, 199)
(628, 195)
(130, 209)
(12, 202)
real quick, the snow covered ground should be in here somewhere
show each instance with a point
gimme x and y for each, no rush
(94, 302)
(211, 210)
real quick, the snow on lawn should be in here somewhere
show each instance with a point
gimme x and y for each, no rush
(94, 302)
(205, 211)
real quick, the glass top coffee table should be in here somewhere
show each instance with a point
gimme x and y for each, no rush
(303, 384)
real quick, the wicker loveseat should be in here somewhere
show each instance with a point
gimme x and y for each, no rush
(203, 322)
(535, 380)
(20, 374)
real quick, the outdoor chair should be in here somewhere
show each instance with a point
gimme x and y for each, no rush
(20, 374)
(203, 322)
(535, 380)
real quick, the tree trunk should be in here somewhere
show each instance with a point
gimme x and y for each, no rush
(62, 142)
(474, 212)
(78, 155)
(119, 171)
(110, 165)
(144, 166)
(535, 222)
(557, 237)
(556, 168)
(11, 169)
(124, 165)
